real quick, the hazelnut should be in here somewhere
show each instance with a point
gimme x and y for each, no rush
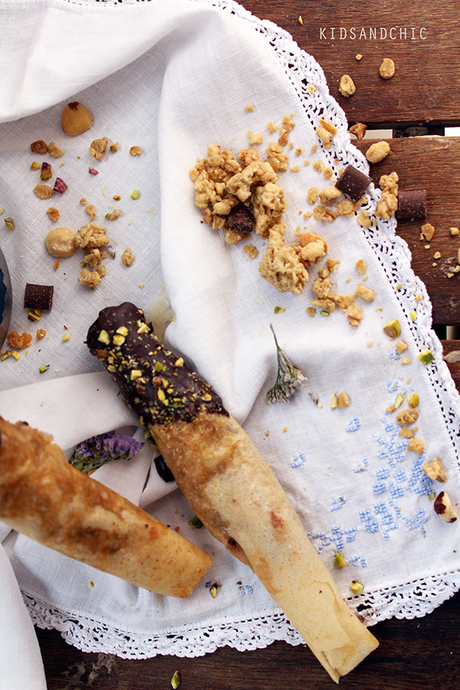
(75, 119)
(444, 507)
(60, 242)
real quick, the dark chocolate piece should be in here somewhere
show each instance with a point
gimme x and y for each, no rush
(411, 205)
(38, 296)
(154, 382)
(353, 182)
(240, 219)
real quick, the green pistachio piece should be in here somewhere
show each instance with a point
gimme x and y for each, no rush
(356, 587)
(392, 328)
(412, 400)
(425, 356)
(399, 401)
(175, 680)
(339, 560)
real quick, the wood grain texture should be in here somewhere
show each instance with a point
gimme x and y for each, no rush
(421, 37)
(431, 163)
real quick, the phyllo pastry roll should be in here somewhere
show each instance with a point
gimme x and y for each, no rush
(48, 500)
(229, 485)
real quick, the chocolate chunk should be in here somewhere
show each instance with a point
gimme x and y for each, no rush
(353, 182)
(412, 205)
(240, 219)
(38, 296)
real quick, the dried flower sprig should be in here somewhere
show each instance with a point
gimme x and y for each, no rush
(288, 377)
(99, 450)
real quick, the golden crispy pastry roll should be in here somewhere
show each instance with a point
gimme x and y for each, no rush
(48, 500)
(229, 485)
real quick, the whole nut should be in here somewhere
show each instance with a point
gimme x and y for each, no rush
(75, 119)
(60, 242)
(444, 507)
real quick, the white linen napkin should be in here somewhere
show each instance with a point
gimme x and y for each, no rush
(180, 79)
(21, 664)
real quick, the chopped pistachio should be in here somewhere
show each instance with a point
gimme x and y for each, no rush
(44, 368)
(135, 194)
(412, 400)
(334, 402)
(279, 310)
(175, 680)
(104, 337)
(195, 522)
(324, 312)
(122, 330)
(213, 590)
(339, 560)
(399, 400)
(425, 356)
(9, 223)
(392, 328)
(406, 360)
(356, 587)
(118, 339)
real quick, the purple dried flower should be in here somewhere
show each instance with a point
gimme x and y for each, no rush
(98, 450)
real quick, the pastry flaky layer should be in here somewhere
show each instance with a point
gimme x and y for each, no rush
(240, 501)
(229, 485)
(48, 500)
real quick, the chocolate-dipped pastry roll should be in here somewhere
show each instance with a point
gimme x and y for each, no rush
(48, 500)
(229, 485)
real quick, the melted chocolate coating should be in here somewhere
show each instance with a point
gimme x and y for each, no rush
(155, 383)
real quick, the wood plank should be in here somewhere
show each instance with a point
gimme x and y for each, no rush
(431, 163)
(396, 664)
(423, 40)
(453, 347)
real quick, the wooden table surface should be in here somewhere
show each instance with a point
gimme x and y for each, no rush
(424, 41)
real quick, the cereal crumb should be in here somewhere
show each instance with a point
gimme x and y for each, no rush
(311, 311)
(127, 257)
(361, 267)
(53, 213)
(347, 86)
(43, 191)
(250, 250)
(19, 341)
(427, 232)
(54, 150)
(41, 333)
(249, 107)
(454, 231)
(272, 127)
(387, 68)
(91, 211)
(135, 151)
(359, 130)
(97, 148)
(378, 151)
(358, 57)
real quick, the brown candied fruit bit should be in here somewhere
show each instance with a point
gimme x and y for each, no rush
(19, 341)
(75, 119)
(39, 147)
